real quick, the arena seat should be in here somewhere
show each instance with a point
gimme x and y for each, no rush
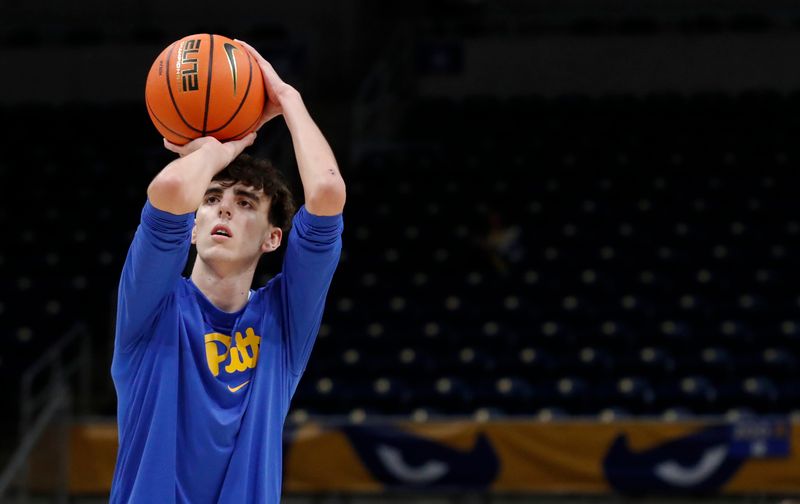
(642, 261)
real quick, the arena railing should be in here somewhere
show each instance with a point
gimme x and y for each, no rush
(47, 397)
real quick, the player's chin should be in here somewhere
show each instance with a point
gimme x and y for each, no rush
(212, 249)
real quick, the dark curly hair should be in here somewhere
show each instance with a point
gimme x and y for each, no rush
(260, 174)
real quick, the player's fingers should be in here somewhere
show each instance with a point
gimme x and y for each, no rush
(265, 65)
(239, 145)
(177, 149)
(250, 48)
(270, 72)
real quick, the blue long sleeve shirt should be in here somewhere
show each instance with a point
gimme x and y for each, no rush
(202, 394)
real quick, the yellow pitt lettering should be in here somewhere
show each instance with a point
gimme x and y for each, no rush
(240, 357)
(213, 356)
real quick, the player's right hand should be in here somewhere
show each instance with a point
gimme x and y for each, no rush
(223, 152)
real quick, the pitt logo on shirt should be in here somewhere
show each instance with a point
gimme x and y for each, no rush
(242, 356)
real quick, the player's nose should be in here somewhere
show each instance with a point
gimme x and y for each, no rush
(225, 207)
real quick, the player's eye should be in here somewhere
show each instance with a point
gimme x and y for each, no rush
(211, 200)
(246, 204)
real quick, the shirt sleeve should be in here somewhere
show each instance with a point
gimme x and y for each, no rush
(312, 254)
(155, 261)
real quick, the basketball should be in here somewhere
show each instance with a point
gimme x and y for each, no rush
(204, 85)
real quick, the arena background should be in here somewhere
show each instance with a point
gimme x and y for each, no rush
(569, 267)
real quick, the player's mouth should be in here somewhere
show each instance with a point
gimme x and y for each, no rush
(221, 233)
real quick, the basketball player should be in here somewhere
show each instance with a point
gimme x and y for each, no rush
(205, 367)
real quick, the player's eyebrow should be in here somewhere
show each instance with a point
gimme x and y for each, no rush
(246, 194)
(217, 191)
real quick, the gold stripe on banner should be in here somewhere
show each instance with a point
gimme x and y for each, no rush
(321, 459)
(92, 455)
(546, 457)
(549, 457)
(500, 456)
(556, 457)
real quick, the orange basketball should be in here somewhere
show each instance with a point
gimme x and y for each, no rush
(204, 85)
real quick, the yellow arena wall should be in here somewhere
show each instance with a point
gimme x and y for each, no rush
(755, 456)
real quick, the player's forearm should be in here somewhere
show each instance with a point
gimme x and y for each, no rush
(179, 188)
(323, 186)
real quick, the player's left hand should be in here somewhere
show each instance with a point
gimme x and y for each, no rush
(276, 87)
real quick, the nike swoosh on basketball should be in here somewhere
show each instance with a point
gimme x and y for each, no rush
(229, 48)
(237, 387)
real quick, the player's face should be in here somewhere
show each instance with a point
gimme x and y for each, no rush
(232, 225)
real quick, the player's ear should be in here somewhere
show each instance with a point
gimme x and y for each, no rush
(194, 234)
(272, 240)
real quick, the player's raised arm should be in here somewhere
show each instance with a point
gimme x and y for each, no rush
(180, 186)
(323, 186)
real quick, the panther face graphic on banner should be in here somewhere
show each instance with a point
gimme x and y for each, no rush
(700, 462)
(401, 459)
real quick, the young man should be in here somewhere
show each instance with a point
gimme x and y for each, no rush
(205, 367)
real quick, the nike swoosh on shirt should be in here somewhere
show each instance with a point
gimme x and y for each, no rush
(237, 387)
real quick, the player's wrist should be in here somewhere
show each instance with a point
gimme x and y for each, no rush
(288, 96)
(216, 154)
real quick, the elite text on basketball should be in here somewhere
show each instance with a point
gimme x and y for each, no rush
(188, 59)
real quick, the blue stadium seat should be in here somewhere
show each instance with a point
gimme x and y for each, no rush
(654, 276)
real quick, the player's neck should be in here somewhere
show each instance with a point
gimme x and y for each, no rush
(228, 292)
